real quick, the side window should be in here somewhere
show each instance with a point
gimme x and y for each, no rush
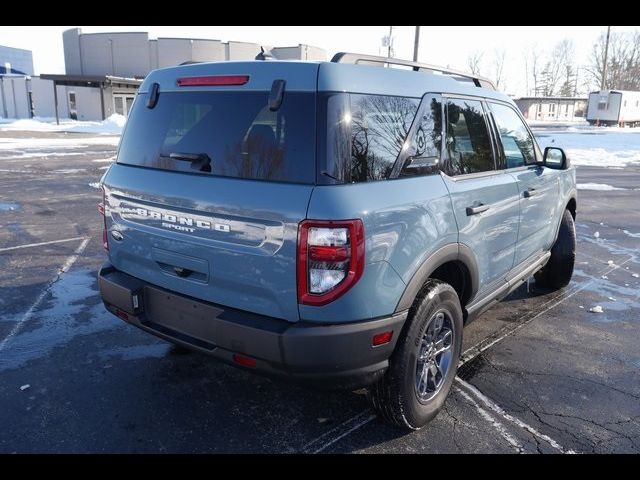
(379, 128)
(422, 155)
(517, 143)
(468, 146)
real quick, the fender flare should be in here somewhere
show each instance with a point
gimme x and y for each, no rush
(572, 196)
(451, 252)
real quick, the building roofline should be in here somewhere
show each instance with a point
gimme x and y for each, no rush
(190, 38)
(107, 79)
(16, 48)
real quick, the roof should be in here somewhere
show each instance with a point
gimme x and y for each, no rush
(311, 76)
(90, 80)
(603, 92)
(537, 99)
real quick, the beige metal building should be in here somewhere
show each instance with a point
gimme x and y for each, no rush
(134, 54)
(551, 108)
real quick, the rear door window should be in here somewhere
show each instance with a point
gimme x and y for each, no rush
(236, 131)
(467, 145)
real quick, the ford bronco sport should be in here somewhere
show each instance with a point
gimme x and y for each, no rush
(332, 222)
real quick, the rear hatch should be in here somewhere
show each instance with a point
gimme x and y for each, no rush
(211, 180)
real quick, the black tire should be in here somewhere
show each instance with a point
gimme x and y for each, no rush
(395, 397)
(558, 271)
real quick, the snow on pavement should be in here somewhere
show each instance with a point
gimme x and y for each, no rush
(24, 145)
(594, 146)
(603, 187)
(111, 126)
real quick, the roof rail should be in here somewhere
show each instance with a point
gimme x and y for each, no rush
(356, 58)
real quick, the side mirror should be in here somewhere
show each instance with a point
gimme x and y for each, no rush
(555, 158)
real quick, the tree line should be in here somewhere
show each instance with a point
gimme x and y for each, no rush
(556, 71)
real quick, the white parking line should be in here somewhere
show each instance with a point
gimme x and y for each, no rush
(40, 244)
(499, 427)
(497, 409)
(327, 439)
(472, 352)
(65, 267)
(468, 355)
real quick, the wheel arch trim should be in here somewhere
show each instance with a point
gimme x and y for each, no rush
(450, 252)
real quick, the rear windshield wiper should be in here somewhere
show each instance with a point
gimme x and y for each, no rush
(199, 161)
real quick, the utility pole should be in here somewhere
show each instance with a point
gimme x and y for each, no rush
(416, 44)
(603, 84)
(389, 46)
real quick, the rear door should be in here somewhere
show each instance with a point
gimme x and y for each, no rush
(210, 185)
(538, 187)
(485, 200)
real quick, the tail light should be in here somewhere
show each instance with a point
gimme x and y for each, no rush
(330, 259)
(101, 210)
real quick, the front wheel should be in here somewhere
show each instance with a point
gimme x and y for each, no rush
(423, 366)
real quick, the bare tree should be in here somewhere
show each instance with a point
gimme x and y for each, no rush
(623, 62)
(499, 55)
(474, 60)
(559, 65)
(532, 62)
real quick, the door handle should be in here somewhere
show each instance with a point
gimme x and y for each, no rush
(530, 192)
(476, 209)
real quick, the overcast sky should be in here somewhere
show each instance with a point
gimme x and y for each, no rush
(448, 46)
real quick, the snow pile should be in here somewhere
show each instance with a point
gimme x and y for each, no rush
(111, 126)
(52, 146)
(593, 146)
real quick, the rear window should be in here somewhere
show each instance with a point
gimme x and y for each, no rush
(231, 134)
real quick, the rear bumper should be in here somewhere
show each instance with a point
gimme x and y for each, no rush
(331, 356)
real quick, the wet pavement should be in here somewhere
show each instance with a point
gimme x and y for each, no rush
(541, 373)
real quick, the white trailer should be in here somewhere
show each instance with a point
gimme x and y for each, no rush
(614, 107)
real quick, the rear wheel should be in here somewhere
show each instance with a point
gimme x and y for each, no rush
(423, 366)
(558, 271)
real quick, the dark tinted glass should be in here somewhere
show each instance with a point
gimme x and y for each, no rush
(379, 127)
(235, 130)
(517, 143)
(467, 143)
(423, 148)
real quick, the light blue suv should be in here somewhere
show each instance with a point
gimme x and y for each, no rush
(333, 222)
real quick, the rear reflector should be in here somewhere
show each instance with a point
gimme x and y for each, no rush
(122, 314)
(382, 338)
(244, 360)
(213, 80)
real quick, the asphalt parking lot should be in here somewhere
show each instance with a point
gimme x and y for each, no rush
(540, 372)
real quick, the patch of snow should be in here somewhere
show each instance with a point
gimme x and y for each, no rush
(632, 235)
(104, 160)
(24, 387)
(112, 125)
(635, 275)
(70, 170)
(593, 146)
(612, 299)
(596, 234)
(95, 185)
(597, 186)
(596, 309)
(610, 262)
(35, 144)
